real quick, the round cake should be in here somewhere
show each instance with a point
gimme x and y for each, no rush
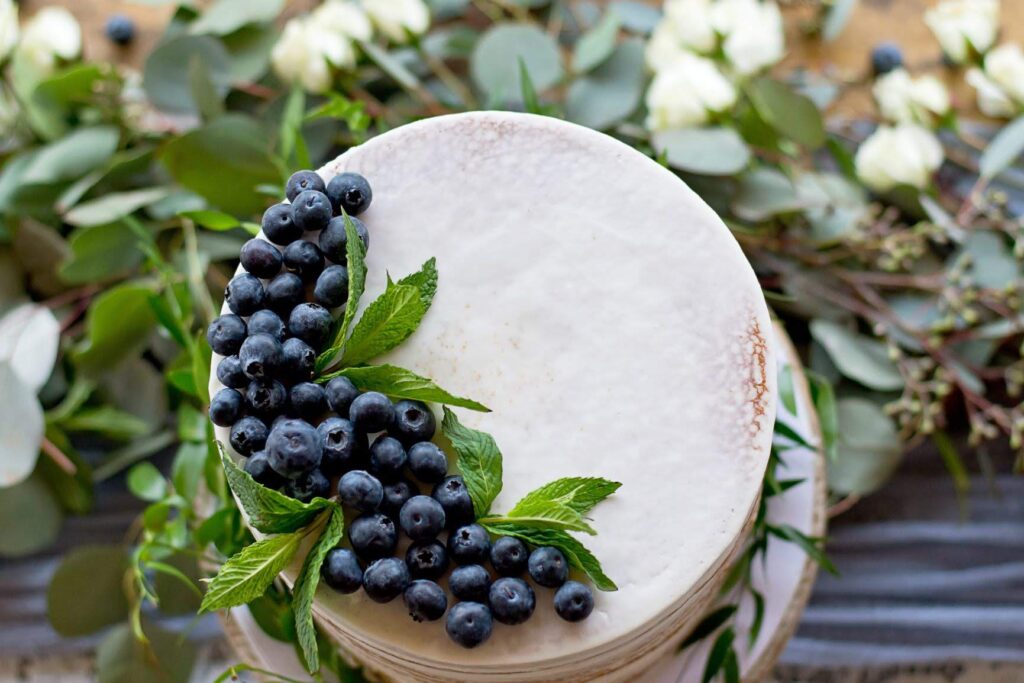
(611, 323)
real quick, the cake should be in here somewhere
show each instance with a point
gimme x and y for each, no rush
(611, 323)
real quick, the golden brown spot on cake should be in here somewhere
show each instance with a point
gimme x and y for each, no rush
(758, 373)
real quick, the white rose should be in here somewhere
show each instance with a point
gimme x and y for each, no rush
(8, 27)
(52, 34)
(343, 18)
(754, 35)
(1005, 66)
(298, 56)
(398, 18)
(906, 154)
(903, 99)
(685, 27)
(684, 93)
(992, 101)
(962, 24)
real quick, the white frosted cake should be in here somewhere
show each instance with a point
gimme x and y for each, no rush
(609, 320)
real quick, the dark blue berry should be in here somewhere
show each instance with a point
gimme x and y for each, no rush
(425, 600)
(266, 321)
(574, 601)
(421, 518)
(340, 394)
(298, 361)
(349, 192)
(302, 181)
(334, 240)
(371, 412)
(509, 556)
(469, 544)
(248, 435)
(284, 293)
(344, 447)
(261, 356)
(331, 288)
(427, 560)
(311, 323)
(471, 582)
(261, 258)
(306, 487)
(512, 600)
(451, 493)
(387, 458)
(548, 567)
(385, 579)
(294, 448)
(226, 407)
(341, 571)
(259, 469)
(120, 29)
(304, 259)
(278, 225)
(396, 494)
(311, 210)
(469, 624)
(229, 373)
(414, 422)
(307, 400)
(373, 536)
(360, 491)
(428, 462)
(886, 57)
(226, 334)
(245, 294)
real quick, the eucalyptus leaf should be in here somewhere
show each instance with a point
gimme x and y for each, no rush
(636, 17)
(706, 151)
(1003, 150)
(227, 16)
(860, 358)
(764, 192)
(793, 115)
(610, 93)
(164, 656)
(21, 427)
(146, 482)
(211, 220)
(29, 341)
(250, 49)
(992, 261)
(494, 65)
(166, 76)
(597, 44)
(111, 207)
(868, 448)
(838, 16)
(108, 421)
(87, 592)
(118, 323)
(72, 156)
(39, 517)
(101, 253)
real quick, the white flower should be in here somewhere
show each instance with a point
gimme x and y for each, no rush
(992, 101)
(906, 154)
(398, 18)
(963, 24)
(903, 99)
(1000, 84)
(684, 93)
(754, 35)
(8, 27)
(299, 57)
(685, 27)
(52, 34)
(344, 19)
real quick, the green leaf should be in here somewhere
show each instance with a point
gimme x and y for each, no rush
(787, 432)
(837, 18)
(87, 592)
(305, 587)
(811, 546)
(211, 220)
(118, 323)
(954, 463)
(269, 511)
(101, 253)
(539, 514)
(860, 358)
(479, 461)
(247, 575)
(868, 450)
(390, 65)
(72, 156)
(637, 17)
(610, 93)
(825, 406)
(596, 45)
(574, 551)
(708, 625)
(21, 427)
(720, 651)
(993, 263)
(227, 16)
(250, 49)
(1003, 150)
(765, 192)
(38, 513)
(108, 421)
(706, 151)
(146, 482)
(577, 493)
(164, 656)
(399, 383)
(531, 103)
(425, 279)
(386, 323)
(494, 64)
(166, 78)
(112, 207)
(205, 93)
(791, 114)
(787, 392)
(355, 257)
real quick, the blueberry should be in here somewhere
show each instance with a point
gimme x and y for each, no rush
(471, 582)
(245, 294)
(279, 226)
(304, 259)
(509, 556)
(344, 447)
(349, 192)
(469, 624)
(248, 435)
(427, 560)
(512, 600)
(421, 518)
(387, 458)
(373, 536)
(385, 579)
(341, 571)
(120, 29)
(395, 496)
(229, 373)
(548, 567)
(307, 400)
(311, 323)
(451, 493)
(260, 356)
(414, 422)
(226, 407)
(886, 57)
(574, 601)
(294, 448)
(261, 258)
(226, 334)
(425, 600)
(302, 181)
(298, 361)
(266, 321)
(331, 288)
(340, 394)
(371, 412)
(469, 544)
(360, 491)
(428, 462)
(334, 240)
(284, 293)
(258, 467)
(306, 487)
(311, 210)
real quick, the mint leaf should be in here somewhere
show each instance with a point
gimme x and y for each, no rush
(479, 461)
(425, 280)
(578, 493)
(386, 323)
(400, 383)
(543, 514)
(247, 575)
(578, 556)
(355, 255)
(305, 588)
(269, 511)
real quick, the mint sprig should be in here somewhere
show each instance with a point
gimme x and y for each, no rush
(399, 383)
(355, 257)
(425, 280)
(247, 575)
(578, 493)
(479, 461)
(387, 322)
(306, 584)
(575, 552)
